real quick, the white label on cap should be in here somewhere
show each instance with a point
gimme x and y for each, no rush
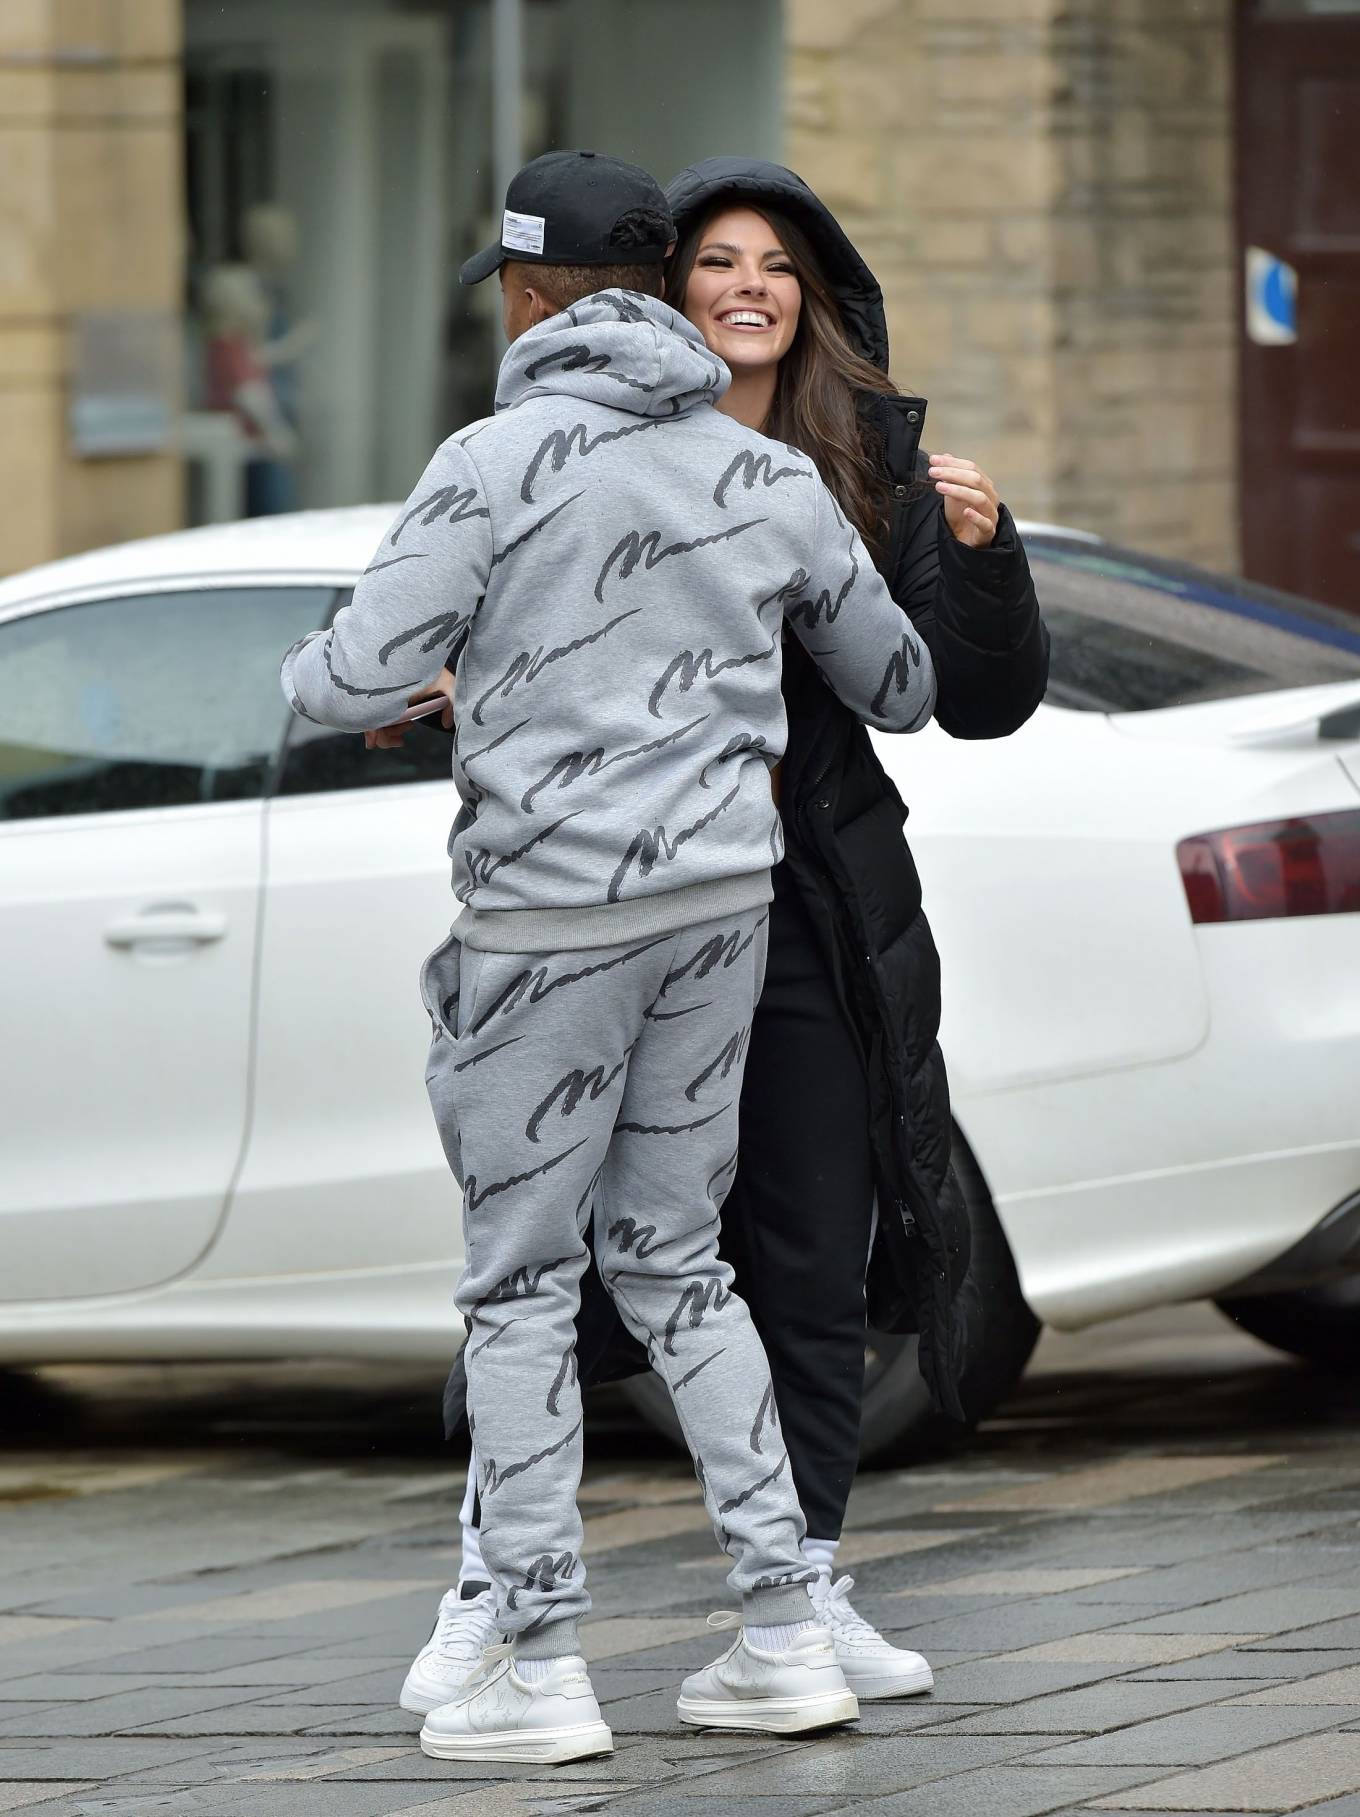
(522, 233)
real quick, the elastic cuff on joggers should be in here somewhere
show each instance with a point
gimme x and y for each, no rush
(779, 1607)
(554, 1640)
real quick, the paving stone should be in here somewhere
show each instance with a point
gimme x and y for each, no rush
(86, 1758)
(618, 1636)
(1000, 1792)
(860, 1768)
(1096, 1708)
(1036, 1581)
(1007, 1627)
(1193, 1737)
(1201, 1581)
(333, 1798)
(132, 1712)
(1004, 1681)
(1341, 1686)
(1343, 1634)
(1120, 1645)
(1277, 1611)
(1242, 1663)
(206, 1653)
(259, 1719)
(75, 1687)
(173, 1801)
(911, 1716)
(21, 1795)
(695, 1804)
(652, 1760)
(1283, 1778)
(1106, 1485)
(372, 1687)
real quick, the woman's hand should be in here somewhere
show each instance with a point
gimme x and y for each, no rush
(971, 505)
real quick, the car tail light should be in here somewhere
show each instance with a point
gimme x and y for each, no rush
(1279, 867)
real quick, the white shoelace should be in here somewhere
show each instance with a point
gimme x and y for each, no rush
(465, 1628)
(486, 1665)
(833, 1604)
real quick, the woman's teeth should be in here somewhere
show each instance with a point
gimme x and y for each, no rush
(746, 318)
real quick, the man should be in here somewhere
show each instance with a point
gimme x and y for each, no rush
(613, 601)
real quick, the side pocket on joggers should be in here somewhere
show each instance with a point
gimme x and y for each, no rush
(440, 984)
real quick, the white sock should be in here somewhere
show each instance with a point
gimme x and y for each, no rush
(774, 1640)
(473, 1566)
(532, 1670)
(821, 1552)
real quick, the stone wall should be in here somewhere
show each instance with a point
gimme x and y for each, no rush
(91, 213)
(1044, 189)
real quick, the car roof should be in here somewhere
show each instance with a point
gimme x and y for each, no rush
(301, 543)
(337, 544)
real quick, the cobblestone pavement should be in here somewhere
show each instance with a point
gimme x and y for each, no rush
(1139, 1586)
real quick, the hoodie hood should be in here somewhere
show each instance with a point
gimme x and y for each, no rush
(700, 186)
(617, 348)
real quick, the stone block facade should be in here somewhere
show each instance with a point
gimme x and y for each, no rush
(1044, 189)
(91, 217)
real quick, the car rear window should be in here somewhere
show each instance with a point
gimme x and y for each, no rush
(1131, 634)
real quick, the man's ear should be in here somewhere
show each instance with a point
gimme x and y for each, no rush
(541, 307)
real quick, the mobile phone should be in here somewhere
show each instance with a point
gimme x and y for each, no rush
(422, 709)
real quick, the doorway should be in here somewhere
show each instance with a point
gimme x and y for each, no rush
(1298, 216)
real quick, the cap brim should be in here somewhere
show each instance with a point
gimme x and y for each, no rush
(482, 264)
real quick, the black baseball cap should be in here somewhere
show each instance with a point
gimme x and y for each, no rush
(569, 208)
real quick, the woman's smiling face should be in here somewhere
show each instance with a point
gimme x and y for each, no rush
(743, 294)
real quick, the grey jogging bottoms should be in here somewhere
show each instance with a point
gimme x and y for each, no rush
(593, 1096)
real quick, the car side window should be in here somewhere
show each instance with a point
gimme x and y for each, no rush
(318, 759)
(146, 700)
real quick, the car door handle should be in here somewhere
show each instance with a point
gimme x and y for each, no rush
(179, 922)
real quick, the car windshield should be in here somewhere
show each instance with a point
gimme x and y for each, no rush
(1131, 633)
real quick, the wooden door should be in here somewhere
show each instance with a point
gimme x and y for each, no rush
(1298, 177)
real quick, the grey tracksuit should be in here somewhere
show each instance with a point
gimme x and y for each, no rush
(609, 562)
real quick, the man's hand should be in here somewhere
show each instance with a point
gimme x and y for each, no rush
(971, 505)
(390, 738)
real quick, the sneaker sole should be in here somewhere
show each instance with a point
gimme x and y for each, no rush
(539, 1747)
(773, 1715)
(904, 1684)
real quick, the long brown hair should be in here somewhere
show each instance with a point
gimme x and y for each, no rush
(816, 391)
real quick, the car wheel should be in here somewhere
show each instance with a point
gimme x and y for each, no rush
(899, 1416)
(1321, 1324)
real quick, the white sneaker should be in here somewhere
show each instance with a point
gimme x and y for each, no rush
(497, 1716)
(786, 1693)
(873, 1668)
(463, 1632)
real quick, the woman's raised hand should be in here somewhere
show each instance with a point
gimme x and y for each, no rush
(971, 505)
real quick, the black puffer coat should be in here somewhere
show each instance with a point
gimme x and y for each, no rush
(843, 819)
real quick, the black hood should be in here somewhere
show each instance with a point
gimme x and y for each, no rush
(699, 186)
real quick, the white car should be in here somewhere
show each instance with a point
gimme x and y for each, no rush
(215, 1136)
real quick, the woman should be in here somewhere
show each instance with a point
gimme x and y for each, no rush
(845, 1109)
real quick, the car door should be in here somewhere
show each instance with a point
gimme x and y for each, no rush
(344, 1173)
(136, 736)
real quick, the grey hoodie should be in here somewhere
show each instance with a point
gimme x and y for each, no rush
(609, 562)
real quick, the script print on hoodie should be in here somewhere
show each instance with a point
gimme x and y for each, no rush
(608, 562)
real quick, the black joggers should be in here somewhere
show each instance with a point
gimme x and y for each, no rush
(797, 1222)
